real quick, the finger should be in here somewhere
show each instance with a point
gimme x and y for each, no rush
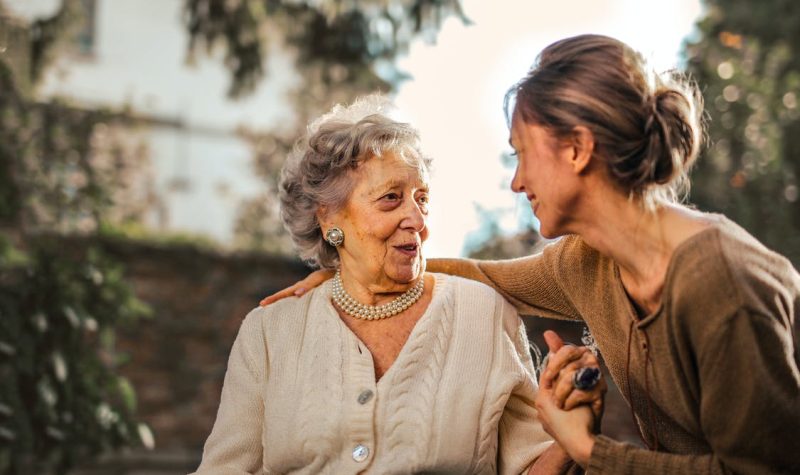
(564, 356)
(591, 359)
(553, 340)
(578, 397)
(542, 404)
(557, 361)
(564, 381)
(287, 292)
(316, 278)
(543, 407)
(311, 281)
(597, 409)
(562, 385)
(598, 404)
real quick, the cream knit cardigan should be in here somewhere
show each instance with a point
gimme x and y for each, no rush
(300, 394)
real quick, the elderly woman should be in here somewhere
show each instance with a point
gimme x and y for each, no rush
(385, 368)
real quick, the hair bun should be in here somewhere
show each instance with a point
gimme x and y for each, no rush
(671, 134)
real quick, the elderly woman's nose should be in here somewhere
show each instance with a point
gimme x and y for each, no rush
(414, 216)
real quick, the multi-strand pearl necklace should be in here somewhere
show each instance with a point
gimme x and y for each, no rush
(374, 312)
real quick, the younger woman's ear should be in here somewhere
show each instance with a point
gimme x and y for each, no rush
(582, 143)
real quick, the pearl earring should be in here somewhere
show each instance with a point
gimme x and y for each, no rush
(334, 237)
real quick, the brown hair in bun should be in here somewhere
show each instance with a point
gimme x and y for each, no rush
(647, 127)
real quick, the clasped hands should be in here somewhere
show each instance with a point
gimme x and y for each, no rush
(570, 415)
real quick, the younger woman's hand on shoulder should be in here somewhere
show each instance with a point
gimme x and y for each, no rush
(313, 280)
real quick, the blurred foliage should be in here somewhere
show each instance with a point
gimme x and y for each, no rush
(499, 246)
(258, 225)
(347, 38)
(61, 401)
(342, 49)
(490, 241)
(61, 170)
(47, 34)
(67, 169)
(747, 62)
(135, 231)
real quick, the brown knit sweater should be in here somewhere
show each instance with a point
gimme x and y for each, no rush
(712, 375)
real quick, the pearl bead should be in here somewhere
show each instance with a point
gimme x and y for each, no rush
(369, 312)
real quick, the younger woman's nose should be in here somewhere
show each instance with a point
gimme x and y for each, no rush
(516, 182)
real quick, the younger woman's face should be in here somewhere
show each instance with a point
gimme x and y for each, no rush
(545, 175)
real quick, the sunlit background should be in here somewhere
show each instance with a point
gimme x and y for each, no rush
(134, 56)
(140, 144)
(455, 96)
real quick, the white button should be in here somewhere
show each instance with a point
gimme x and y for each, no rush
(365, 396)
(360, 453)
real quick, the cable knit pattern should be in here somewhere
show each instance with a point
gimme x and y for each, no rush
(458, 398)
(415, 386)
(323, 388)
(488, 427)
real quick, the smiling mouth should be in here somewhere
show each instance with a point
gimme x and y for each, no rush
(410, 249)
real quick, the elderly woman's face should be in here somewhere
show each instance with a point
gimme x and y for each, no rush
(384, 222)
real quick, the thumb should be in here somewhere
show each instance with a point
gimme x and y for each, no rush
(554, 342)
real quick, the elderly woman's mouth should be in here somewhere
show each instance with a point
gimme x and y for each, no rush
(410, 249)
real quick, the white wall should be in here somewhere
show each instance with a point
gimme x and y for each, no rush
(139, 61)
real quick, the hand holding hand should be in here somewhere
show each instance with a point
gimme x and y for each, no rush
(563, 362)
(572, 429)
(569, 414)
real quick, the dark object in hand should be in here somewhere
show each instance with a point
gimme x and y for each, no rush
(586, 378)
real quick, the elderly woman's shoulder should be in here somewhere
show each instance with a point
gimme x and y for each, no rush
(476, 301)
(285, 310)
(472, 290)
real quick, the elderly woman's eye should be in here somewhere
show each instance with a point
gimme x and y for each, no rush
(391, 196)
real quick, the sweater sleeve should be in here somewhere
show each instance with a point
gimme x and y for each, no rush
(234, 446)
(530, 283)
(749, 407)
(521, 436)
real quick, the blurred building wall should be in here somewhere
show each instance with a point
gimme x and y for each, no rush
(132, 55)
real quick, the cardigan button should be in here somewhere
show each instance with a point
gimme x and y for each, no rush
(360, 453)
(365, 396)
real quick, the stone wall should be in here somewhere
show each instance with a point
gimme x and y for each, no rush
(176, 359)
